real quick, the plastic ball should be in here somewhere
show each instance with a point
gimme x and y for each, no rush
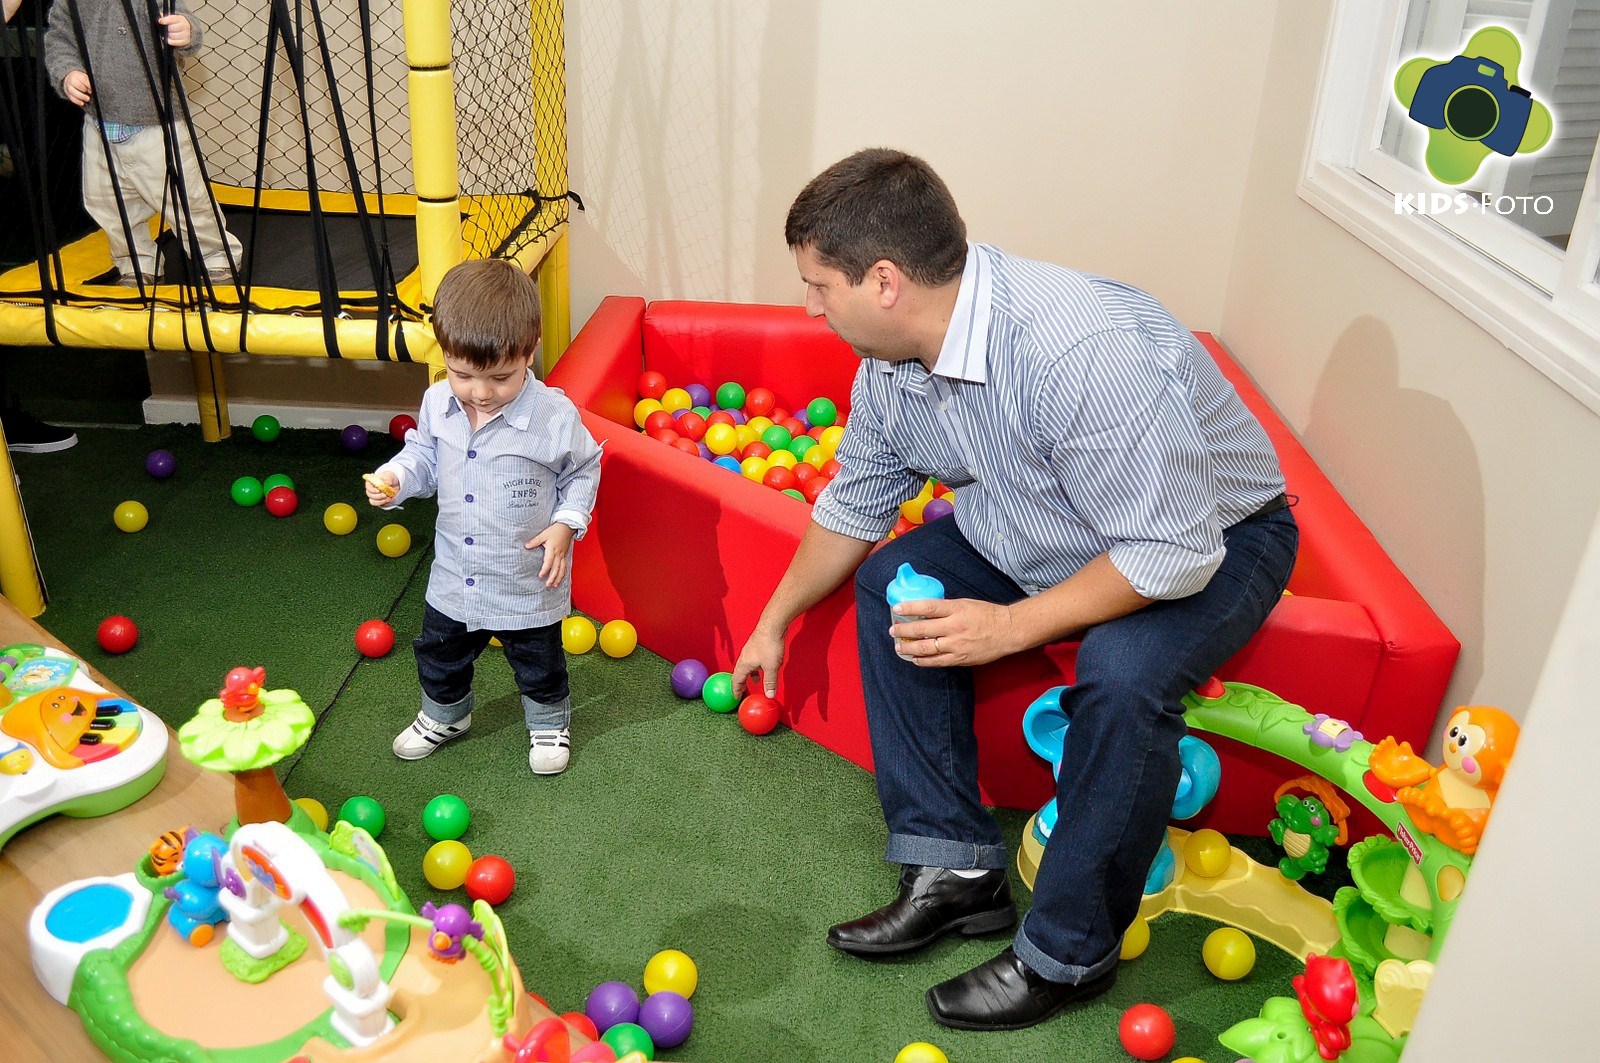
(758, 402)
(610, 1003)
(794, 493)
(688, 677)
(393, 540)
(445, 864)
(1136, 938)
(758, 714)
(266, 428)
(598, 1051)
(117, 634)
(353, 438)
(247, 491)
(667, 1017)
(490, 879)
(652, 385)
(822, 412)
(277, 479)
(779, 478)
(315, 809)
(578, 634)
(645, 409)
(675, 399)
(729, 462)
(777, 437)
(400, 424)
(282, 501)
(935, 510)
(1229, 953)
(782, 459)
(618, 638)
(339, 518)
(730, 396)
(1206, 852)
(374, 638)
(160, 464)
(921, 1052)
(626, 1037)
(131, 516)
(580, 1022)
(1146, 1032)
(718, 693)
(671, 971)
(364, 812)
(658, 420)
(721, 438)
(446, 818)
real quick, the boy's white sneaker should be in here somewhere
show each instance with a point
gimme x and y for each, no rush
(426, 734)
(548, 751)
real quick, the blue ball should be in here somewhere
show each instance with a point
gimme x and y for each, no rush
(729, 462)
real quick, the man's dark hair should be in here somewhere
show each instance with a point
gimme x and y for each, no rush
(485, 312)
(881, 204)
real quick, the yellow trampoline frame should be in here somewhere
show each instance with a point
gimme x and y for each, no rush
(438, 207)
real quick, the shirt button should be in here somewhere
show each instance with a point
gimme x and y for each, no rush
(472, 453)
(469, 540)
(471, 582)
(469, 498)
(944, 404)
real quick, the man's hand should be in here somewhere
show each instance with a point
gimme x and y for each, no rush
(557, 543)
(763, 653)
(381, 486)
(76, 87)
(179, 33)
(959, 631)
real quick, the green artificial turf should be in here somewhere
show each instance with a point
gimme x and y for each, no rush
(672, 828)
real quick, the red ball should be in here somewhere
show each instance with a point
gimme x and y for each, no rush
(490, 878)
(902, 526)
(778, 478)
(582, 1023)
(756, 449)
(778, 415)
(1146, 1032)
(652, 385)
(795, 426)
(667, 436)
(282, 501)
(720, 417)
(758, 402)
(758, 714)
(688, 446)
(804, 473)
(815, 432)
(400, 424)
(692, 426)
(813, 487)
(831, 468)
(657, 421)
(117, 634)
(374, 638)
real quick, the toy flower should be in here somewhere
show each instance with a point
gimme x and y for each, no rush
(244, 731)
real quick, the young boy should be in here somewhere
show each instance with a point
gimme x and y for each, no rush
(114, 87)
(516, 475)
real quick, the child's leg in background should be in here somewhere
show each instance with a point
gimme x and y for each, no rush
(445, 652)
(217, 244)
(540, 665)
(100, 188)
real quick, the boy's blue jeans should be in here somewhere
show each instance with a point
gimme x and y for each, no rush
(446, 652)
(1120, 768)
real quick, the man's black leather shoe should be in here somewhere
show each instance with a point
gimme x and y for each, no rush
(933, 901)
(1006, 994)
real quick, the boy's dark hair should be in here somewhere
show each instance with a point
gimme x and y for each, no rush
(485, 312)
(881, 204)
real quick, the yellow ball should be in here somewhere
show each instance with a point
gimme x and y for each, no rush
(1207, 853)
(817, 457)
(1188, 1059)
(753, 468)
(445, 865)
(339, 518)
(131, 516)
(830, 438)
(746, 435)
(393, 540)
(921, 1052)
(671, 969)
(783, 458)
(760, 424)
(676, 399)
(1229, 953)
(578, 634)
(911, 509)
(643, 409)
(314, 809)
(1136, 938)
(722, 438)
(618, 638)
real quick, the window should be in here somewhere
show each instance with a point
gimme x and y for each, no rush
(1458, 138)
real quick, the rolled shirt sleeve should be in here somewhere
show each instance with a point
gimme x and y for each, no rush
(863, 501)
(578, 483)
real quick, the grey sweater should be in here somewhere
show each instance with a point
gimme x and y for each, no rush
(122, 90)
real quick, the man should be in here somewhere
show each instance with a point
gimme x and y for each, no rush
(1112, 487)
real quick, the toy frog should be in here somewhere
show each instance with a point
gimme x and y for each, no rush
(1305, 829)
(1452, 801)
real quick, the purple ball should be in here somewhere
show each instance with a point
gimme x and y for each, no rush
(679, 412)
(667, 1017)
(739, 417)
(610, 1003)
(160, 464)
(705, 452)
(688, 677)
(353, 438)
(936, 509)
(699, 395)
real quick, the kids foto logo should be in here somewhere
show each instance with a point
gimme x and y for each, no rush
(1472, 106)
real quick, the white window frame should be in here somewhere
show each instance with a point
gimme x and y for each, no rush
(1542, 304)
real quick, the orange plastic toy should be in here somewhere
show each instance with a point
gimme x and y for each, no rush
(1452, 801)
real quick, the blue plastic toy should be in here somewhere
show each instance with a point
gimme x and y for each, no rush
(195, 909)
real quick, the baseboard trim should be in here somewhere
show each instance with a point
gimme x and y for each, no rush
(290, 415)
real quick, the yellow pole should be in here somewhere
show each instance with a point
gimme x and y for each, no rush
(434, 163)
(19, 568)
(550, 166)
(210, 395)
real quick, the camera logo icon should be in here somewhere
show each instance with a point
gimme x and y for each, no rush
(1472, 105)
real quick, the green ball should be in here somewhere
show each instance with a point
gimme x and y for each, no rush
(627, 1037)
(703, 411)
(792, 493)
(821, 412)
(730, 396)
(277, 479)
(363, 812)
(265, 428)
(800, 446)
(247, 491)
(777, 437)
(445, 818)
(718, 693)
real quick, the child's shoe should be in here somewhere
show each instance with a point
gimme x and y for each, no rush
(548, 751)
(425, 735)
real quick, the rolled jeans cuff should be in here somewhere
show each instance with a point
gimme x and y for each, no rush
(541, 717)
(446, 713)
(1053, 969)
(943, 852)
